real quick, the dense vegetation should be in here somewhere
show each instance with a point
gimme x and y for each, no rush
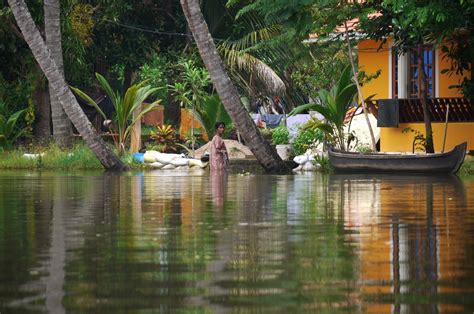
(262, 43)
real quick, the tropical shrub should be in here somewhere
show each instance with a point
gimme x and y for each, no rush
(191, 92)
(280, 135)
(155, 73)
(323, 163)
(125, 106)
(307, 138)
(211, 111)
(164, 138)
(194, 138)
(364, 149)
(333, 105)
(8, 131)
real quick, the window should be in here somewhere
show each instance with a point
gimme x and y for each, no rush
(411, 81)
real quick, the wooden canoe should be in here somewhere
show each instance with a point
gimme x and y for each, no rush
(448, 162)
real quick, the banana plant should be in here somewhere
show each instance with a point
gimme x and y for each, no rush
(211, 111)
(125, 106)
(8, 133)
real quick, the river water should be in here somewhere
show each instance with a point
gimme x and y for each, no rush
(157, 242)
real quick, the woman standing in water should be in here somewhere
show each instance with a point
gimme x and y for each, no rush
(219, 159)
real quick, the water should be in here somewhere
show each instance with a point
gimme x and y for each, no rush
(160, 241)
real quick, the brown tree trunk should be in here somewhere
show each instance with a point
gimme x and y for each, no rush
(42, 126)
(424, 101)
(228, 94)
(69, 103)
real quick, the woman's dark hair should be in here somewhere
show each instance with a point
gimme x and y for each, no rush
(218, 124)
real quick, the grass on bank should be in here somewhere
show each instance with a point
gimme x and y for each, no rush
(467, 167)
(80, 157)
(50, 157)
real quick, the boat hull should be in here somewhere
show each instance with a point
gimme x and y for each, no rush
(448, 162)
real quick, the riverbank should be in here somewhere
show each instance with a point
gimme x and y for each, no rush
(80, 157)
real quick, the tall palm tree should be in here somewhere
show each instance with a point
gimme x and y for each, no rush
(62, 129)
(228, 94)
(69, 103)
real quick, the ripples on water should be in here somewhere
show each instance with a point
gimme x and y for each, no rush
(191, 242)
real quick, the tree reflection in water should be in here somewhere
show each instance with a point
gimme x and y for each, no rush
(177, 241)
(406, 247)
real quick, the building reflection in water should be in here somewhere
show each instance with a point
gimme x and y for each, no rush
(407, 247)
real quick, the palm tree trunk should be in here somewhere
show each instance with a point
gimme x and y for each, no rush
(62, 129)
(228, 94)
(42, 126)
(359, 90)
(424, 101)
(69, 103)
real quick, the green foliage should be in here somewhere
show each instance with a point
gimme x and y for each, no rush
(266, 133)
(8, 131)
(194, 138)
(82, 22)
(125, 106)
(51, 157)
(280, 135)
(307, 138)
(323, 163)
(155, 73)
(190, 91)
(333, 105)
(419, 139)
(364, 149)
(467, 167)
(327, 62)
(165, 139)
(211, 111)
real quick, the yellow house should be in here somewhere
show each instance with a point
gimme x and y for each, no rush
(398, 80)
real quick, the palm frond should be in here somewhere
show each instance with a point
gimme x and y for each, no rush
(246, 62)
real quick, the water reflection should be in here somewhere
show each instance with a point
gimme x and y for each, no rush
(170, 241)
(408, 252)
(218, 185)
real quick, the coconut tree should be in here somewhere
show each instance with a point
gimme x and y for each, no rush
(228, 94)
(129, 108)
(62, 129)
(69, 103)
(333, 105)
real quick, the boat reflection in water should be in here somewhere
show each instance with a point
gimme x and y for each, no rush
(412, 247)
(188, 242)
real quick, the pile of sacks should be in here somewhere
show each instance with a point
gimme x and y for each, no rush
(307, 162)
(165, 161)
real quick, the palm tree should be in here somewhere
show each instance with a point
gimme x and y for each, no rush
(129, 108)
(62, 129)
(69, 103)
(228, 94)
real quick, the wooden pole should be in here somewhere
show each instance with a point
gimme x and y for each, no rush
(136, 138)
(359, 90)
(445, 127)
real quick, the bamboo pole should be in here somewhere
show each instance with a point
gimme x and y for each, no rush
(359, 90)
(136, 138)
(445, 127)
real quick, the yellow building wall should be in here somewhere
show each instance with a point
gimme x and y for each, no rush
(370, 61)
(446, 80)
(186, 123)
(393, 140)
